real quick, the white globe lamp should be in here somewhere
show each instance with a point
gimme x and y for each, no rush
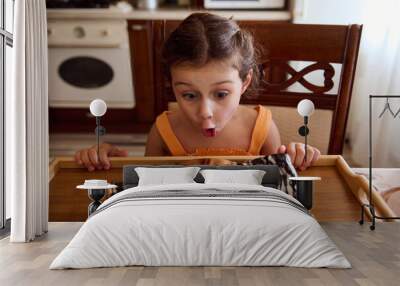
(98, 107)
(305, 108)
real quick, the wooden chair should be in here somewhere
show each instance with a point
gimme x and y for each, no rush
(331, 50)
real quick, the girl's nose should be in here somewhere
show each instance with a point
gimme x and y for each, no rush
(206, 110)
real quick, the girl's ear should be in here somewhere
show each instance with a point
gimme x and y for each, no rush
(247, 81)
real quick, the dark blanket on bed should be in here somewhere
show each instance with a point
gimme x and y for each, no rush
(286, 170)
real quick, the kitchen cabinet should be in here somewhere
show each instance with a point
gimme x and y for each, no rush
(135, 120)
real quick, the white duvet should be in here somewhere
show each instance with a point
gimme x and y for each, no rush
(183, 231)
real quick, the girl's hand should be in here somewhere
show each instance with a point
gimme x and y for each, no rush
(296, 153)
(90, 158)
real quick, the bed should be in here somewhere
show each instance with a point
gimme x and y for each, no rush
(201, 223)
(337, 197)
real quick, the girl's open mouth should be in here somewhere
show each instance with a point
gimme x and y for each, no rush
(209, 132)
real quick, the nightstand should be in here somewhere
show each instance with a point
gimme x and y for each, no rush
(96, 191)
(304, 190)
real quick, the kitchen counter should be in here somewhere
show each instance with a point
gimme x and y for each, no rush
(66, 144)
(164, 14)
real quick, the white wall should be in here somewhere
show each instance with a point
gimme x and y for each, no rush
(324, 12)
(329, 11)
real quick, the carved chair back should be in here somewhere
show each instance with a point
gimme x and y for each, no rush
(324, 53)
(299, 61)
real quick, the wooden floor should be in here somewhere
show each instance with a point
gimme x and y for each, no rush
(374, 255)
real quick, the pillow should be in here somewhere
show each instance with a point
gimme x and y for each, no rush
(249, 177)
(162, 176)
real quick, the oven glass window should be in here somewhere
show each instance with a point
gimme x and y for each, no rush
(86, 72)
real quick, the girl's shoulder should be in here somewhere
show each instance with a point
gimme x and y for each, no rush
(174, 116)
(248, 113)
(173, 119)
(168, 115)
(258, 118)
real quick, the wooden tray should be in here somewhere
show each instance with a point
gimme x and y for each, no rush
(337, 197)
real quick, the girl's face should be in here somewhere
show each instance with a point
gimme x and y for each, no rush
(209, 95)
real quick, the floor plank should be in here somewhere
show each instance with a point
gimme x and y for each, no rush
(374, 255)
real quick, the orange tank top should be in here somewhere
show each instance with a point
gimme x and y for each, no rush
(258, 137)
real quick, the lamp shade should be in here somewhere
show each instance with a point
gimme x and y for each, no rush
(305, 107)
(98, 107)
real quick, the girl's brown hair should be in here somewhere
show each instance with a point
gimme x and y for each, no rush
(204, 37)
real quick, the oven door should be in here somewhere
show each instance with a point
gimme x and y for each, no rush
(79, 75)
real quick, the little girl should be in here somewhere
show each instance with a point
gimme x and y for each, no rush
(210, 63)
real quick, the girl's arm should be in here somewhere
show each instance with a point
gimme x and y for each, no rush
(91, 160)
(295, 150)
(155, 145)
(273, 140)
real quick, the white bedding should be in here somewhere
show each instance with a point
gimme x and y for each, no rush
(182, 231)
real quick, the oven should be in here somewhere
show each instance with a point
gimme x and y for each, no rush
(89, 59)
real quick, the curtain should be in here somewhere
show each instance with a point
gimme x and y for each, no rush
(378, 73)
(27, 124)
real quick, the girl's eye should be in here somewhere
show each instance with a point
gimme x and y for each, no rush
(221, 94)
(189, 96)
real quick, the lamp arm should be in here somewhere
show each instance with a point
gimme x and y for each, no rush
(305, 138)
(97, 131)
